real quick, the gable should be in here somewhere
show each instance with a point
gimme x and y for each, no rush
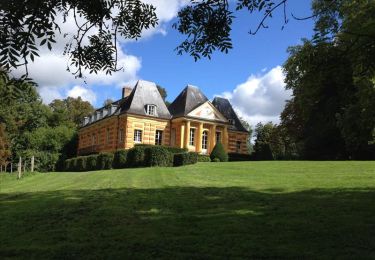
(207, 111)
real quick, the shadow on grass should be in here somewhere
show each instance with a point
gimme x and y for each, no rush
(185, 222)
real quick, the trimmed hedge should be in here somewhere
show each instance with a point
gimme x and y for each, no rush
(120, 159)
(203, 158)
(104, 161)
(233, 157)
(81, 163)
(91, 162)
(180, 159)
(158, 156)
(219, 152)
(136, 156)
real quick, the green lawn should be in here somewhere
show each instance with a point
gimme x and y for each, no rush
(209, 210)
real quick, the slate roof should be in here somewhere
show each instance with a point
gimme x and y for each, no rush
(145, 93)
(224, 106)
(190, 98)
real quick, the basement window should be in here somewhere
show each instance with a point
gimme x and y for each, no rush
(151, 110)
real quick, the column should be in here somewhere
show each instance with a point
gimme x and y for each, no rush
(198, 145)
(187, 133)
(212, 138)
(182, 138)
(225, 138)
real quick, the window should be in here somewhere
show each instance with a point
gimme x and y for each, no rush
(93, 139)
(238, 147)
(121, 135)
(108, 135)
(231, 121)
(150, 110)
(192, 136)
(218, 137)
(158, 137)
(138, 136)
(204, 140)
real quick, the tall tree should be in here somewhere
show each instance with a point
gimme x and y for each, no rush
(5, 152)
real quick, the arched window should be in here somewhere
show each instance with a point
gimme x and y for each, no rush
(204, 140)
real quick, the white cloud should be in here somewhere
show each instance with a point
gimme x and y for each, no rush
(261, 98)
(85, 93)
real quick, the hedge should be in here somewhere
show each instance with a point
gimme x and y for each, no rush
(180, 159)
(81, 163)
(91, 162)
(232, 157)
(203, 158)
(136, 156)
(120, 159)
(104, 161)
(158, 156)
(219, 152)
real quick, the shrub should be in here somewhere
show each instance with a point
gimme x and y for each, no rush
(104, 161)
(216, 160)
(158, 156)
(81, 163)
(219, 152)
(174, 150)
(203, 158)
(180, 159)
(91, 162)
(67, 164)
(73, 165)
(136, 156)
(232, 157)
(120, 159)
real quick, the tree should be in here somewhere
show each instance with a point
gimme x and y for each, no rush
(107, 102)
(248, 128)
(163, 94)
(5, 153)
(262, 146)
(219, 153)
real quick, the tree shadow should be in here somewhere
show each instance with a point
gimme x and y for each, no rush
(188, 222)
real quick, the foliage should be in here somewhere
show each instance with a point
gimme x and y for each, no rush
(81, 163)
(158, 156)
(215, 160)
(204, 158)
(219, 152)
(4, 146)
(136, 156)
(104, 161)
(120, 159)
(233, 157)
(92, 162)
(180, 159)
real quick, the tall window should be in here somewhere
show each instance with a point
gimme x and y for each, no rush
(150, 110)
(137, 136)
(204, 140)
(121, 135)
(218, 137)
(108, 136)
(159, 137)
(238, 147)
(192, 136)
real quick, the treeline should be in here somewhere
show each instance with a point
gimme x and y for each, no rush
(30, 128)
(332, 76)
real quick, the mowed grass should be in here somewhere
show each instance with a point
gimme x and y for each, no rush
(204, 211)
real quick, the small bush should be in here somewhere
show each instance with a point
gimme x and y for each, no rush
(174, 150)
(81, 163)
(120, 159)
(216, 160)
(158, 156)
(180, 159)
(219, 152)
(91, 162)
(136, 156)
(105, 161)
(203, 158)
(73, 165)
(67, 164)
(233, 157)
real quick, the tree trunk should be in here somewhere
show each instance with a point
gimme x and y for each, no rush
(32, 163)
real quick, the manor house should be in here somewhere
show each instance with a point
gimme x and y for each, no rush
(141, 117)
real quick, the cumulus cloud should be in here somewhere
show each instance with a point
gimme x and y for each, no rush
(261, 98)
(85, 93)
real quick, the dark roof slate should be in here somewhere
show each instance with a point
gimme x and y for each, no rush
(189, 98)
(224, 106)
(145, 93)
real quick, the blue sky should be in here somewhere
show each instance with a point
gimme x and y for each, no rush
(249, 75)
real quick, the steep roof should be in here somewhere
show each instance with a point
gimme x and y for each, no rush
(145, 93)
(190, 98)
(224, 106)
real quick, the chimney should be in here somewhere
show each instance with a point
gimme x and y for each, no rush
(126, 91)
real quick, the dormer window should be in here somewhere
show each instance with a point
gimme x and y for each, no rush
(231, 121)
(151, 110)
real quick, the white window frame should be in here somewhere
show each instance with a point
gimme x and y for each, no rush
(205, 140)
(158, 137)
(151, 110)
(218, 134)
(137, 136)
(192, 136)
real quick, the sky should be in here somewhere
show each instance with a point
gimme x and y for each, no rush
(250, 75)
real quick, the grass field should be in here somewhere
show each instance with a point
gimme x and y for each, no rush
(209, 210)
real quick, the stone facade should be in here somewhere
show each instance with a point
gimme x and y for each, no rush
(197, 128)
